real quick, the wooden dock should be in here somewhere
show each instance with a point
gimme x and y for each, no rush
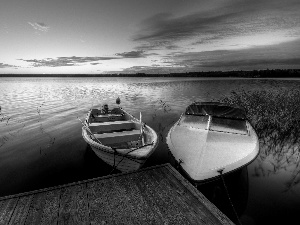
(155, 195)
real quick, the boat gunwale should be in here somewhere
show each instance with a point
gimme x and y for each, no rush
(111, 150)
(101, 147)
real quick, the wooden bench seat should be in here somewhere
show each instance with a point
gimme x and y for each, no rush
(118, 137)
(111, 126)
(107, 118)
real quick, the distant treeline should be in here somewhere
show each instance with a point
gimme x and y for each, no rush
(279, 73)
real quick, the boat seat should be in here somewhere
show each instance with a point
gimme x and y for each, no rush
(111, 126)
(118, 137)
(107, 117)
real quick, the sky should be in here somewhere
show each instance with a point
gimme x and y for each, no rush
(142, 36)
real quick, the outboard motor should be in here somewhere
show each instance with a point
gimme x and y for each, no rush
(105, 109)
(118, 101)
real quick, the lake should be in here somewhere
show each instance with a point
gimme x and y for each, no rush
(41, 143)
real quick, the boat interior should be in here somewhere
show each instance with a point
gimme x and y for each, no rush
(213, 123)
(215, 116)
(116, 129)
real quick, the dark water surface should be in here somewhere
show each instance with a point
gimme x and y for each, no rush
(41, 143)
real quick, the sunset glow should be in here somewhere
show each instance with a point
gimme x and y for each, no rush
(112, 36)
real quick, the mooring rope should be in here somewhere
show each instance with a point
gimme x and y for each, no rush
(125, 156)
(115, 151)
(227, 193)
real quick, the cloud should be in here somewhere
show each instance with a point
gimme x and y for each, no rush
(4, 65)
(280, 56)
(235, 18)
(286, 55)
(217, 64)
(153, 69)
(65, 61)
(258, 63)
(79, 61)
(163, 29)
(135, 54)
(39, 26)
(132, 54)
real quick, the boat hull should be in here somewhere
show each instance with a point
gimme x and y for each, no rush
(120, 162)
(128, 159)
(204, 155)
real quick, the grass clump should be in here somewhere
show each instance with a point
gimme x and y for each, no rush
(275, 116)
(270, 109)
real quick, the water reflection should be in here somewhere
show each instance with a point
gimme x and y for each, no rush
(41, 143)
(234, 202)
(279, 155)
(275, 116)
(231, 198)
(275, 174)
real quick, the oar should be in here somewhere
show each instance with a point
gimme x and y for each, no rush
(88, 129)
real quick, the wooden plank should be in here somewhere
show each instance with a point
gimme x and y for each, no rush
(139, 212)
(36, 209)
(107, 117)
(50, 212)
(107, 203)
(111, 126)
(122, 211)
(118, 134)
(164, 207)
(118, 137)
(21, 210)
(156, 195)
(212, 209)
(98, 197)
(190, 205)
(143, 213)
(6, 210)
(169, 192)
(183, 199)
(44, 208)
(73, 205)
(35, 192)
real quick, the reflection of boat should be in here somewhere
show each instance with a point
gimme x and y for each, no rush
(211, 139)
(118, 138)
(237, 188)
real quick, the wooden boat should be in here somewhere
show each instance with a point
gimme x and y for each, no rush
(118, 138)
(211, 139)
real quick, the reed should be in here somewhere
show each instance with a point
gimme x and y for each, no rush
(275, 115)
(270, 109)
(13, 125)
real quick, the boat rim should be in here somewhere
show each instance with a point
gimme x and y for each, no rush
(110, 150)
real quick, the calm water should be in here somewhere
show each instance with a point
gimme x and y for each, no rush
(41, 143)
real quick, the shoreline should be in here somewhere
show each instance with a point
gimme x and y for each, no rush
(277, 73)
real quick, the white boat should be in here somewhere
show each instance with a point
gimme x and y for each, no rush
(118, 138)
(212, 139)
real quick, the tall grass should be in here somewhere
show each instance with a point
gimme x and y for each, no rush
(273, 109)
(275, 115)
